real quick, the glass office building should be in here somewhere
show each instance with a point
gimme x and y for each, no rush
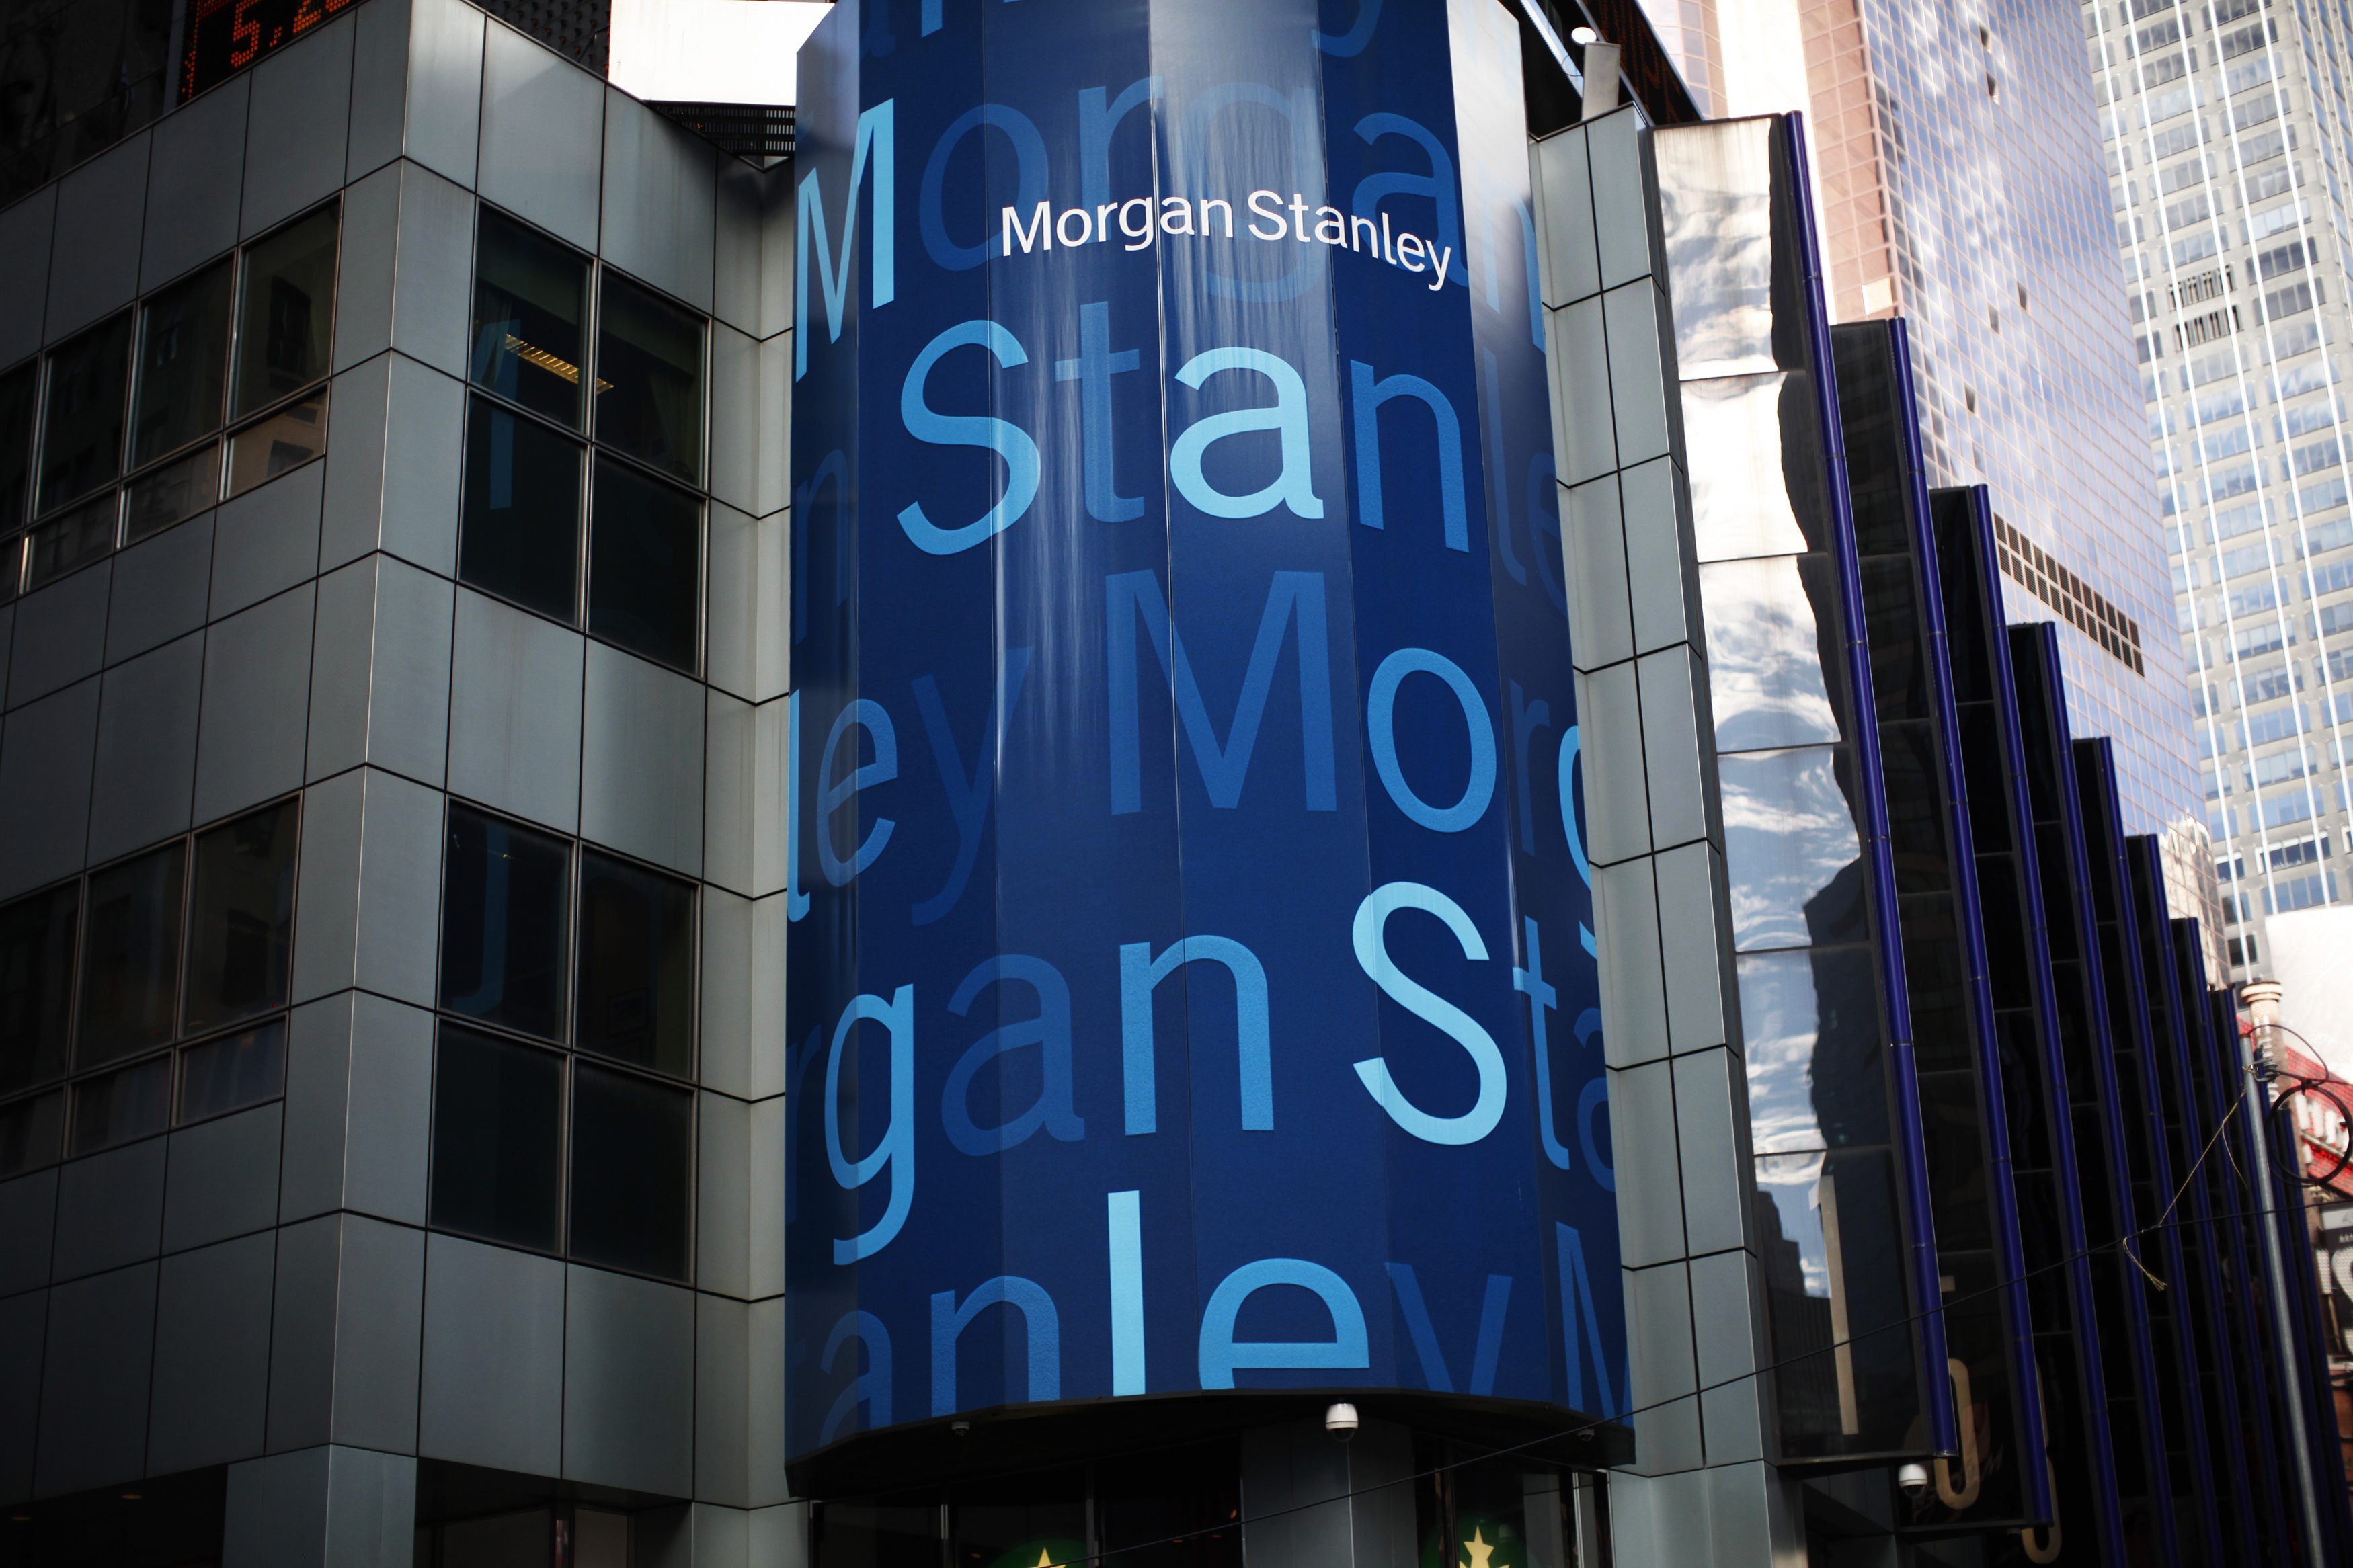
(615, 951)
(2225, 130)
(1956, 168)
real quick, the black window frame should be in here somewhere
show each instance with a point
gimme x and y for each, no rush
(591, 446)
(22, 536)
(684, 1082)
(74, 1076)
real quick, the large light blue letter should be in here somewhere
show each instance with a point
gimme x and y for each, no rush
(1294, 484)
(1044, 1378)
(1008, 440)
(871, 1387)
(1050, 1031)
(895, 1150)
(1428, 1006)
(1365, 397)
(877, 138)
(1380, 721)
(1130, 597)
(1139, 972)
(833, 794)
(1221, 1357)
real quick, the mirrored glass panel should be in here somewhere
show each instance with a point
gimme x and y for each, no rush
(241, 919)
(498, 1139)
(1762, 490)
(183, 364)
(286, 312)
(521, 536)
(649, 379)
(1814, 1040)
(637, 965)
(505, 921)
(37, 960)
(117, 1106)
(529, 292)
(1773, 660)
(1715, 208)
(286, 440)
(645, 565)
(1790, 848)
(632, 1171)
(131, 953)
(82, 432)
(233, 1072)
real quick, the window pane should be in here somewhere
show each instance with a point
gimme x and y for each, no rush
(177, 490)
(82, 443)
(503, 925)
(498, 1139)
(29, 1134)
(287, 439)
(522, 534)
(649, 379)
(241, 919)
(233, 1072)
(73, 540)
(16, 443)
(183, 364)
(131, 944)
(633, 1148)
(637, 965)
(645, 565)
(36, 949)
(121, 1106)
(286, 312)
(527, 297)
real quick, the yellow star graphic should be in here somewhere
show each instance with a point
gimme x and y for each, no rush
(1480, 1549)
(1045, 1558)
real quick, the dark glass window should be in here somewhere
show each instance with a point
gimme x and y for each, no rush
(81, 439)
(233, 1072)
(645, 565)
(66, 543)
(183, 364)
(130, 949)
(241, 919)
(637, 966)
(16, 400)
(632, 1164)
(649, 379)
(505, 924)
(37, 953)
(166, 494)
(286, 440)
(29, 1134)
(286, 312)
(527, 342)
(117, 1107)
(521, 538)
(498, 1139)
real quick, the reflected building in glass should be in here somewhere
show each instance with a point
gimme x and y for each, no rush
(2225, 129)
(1955, 164)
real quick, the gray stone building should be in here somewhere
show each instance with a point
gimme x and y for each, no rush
(307, 785)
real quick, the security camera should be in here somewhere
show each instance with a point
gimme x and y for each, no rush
(1913, 1481)
(1340, 1420)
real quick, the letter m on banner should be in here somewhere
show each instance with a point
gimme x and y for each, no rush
(1577, 1311)
(877, 145)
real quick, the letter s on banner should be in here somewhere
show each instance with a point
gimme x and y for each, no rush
(1373, 957)
(895, 1150)
(1008, 440)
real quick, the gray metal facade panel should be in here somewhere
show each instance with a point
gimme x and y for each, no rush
(628, 1383)
(492, 1381)
(94, 253)
(109, 1210)
(94, 1381)
(295, 131)
(63, 634)
(159, 590)
(28, 1218)
(145, 778)
(543, 133)
(26, 227)
(267, 540)
(196, 183)
(659, 208)
(212, 1354)
(514, 713)
(379, 1329)
(641, 760)
(256, 705)
(24, 1332)
(221, 1180)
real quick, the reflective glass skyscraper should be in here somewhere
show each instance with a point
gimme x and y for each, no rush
(1957, 168)
(2226, 130)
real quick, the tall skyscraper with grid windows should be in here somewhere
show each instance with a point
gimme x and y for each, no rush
(2225, 127)
(1956, 163)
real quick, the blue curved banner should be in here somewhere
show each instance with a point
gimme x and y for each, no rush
(1192, 978)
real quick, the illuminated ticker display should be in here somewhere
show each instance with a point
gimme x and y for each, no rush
(227, 36)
